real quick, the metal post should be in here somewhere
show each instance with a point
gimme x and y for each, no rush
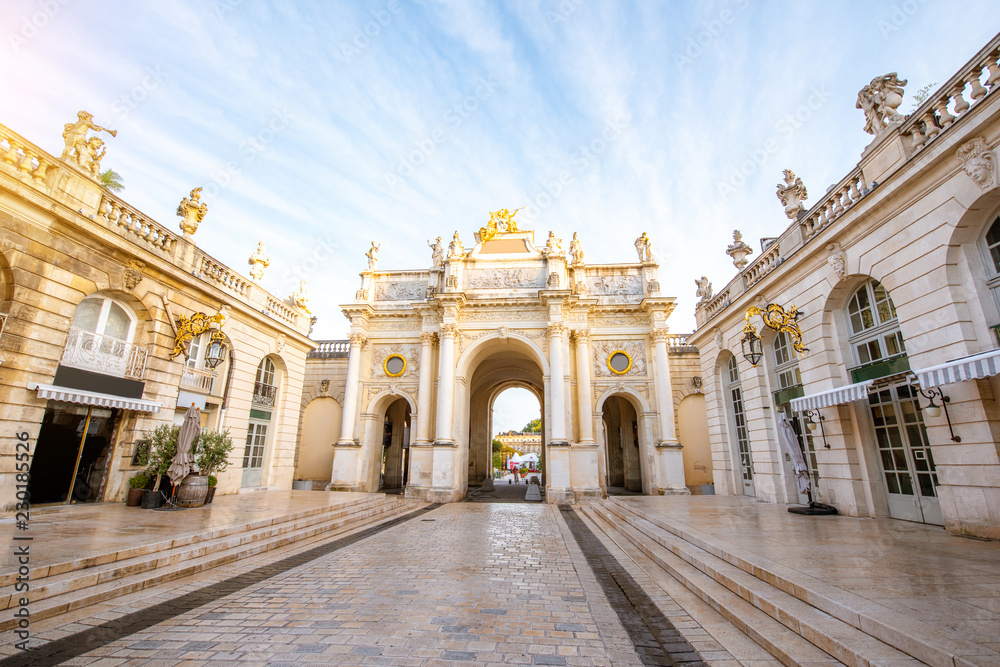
(79, 454)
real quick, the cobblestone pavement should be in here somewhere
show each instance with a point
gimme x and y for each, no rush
(463, 584)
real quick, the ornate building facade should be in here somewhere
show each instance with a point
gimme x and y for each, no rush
(114, 324)
(431, 349)
(894, 273)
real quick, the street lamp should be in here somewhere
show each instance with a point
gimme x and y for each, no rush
(774, 317)
(216, 351)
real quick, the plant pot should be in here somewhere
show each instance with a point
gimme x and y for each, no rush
(151, 500)
(134, 498)
(211, 494)
(191, 492)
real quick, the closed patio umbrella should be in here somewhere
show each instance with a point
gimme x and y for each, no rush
(183, 459)
(790, 443)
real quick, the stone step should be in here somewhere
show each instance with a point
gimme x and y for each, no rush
(76, 589)
(759, 580)
(157, 547)
(785, 645)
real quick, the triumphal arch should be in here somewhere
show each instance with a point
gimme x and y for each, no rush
(430, 350)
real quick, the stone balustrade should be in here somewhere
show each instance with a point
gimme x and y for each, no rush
(22, 157)
(134, 225)
(837, 200)
(331, 349)
(934, 117)
(719, 303)
(677, 343)
(763, 265)
(280, 310)
(224, 277)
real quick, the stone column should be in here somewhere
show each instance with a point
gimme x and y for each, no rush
(344, 475)
(421, 460)
(351, 391)
(557, 384)
(670, 468)
(426, 386)
(446, 386)
(583, 397)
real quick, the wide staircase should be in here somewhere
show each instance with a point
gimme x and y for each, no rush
(66, 586)
(796, 618)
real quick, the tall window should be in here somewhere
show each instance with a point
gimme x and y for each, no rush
(990, 244)
(264, 390)
(739, 422)
(786, 366)
(875, 332)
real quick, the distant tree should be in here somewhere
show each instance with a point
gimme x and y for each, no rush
(112, 180)
(497, 446)
(534, 426)
(497, 461)
(920, 96)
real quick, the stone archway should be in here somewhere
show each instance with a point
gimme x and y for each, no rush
(396, 429)
(492, 366)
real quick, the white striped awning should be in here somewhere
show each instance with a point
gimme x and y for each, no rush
(68, 395)
(969, 368)
(823, 399)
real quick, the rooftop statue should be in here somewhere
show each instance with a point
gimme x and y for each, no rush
(879, 100)
(576, 250)
(501, 222)
(792, 194)
(437, 253)
(81, 150)
(455, 248)
(258, 262)
(704, 289)
(193, 211)
(300, 297)
(553, 245)
(372, 255)
(644, 248)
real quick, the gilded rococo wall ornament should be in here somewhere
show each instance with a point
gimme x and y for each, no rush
(196, 325)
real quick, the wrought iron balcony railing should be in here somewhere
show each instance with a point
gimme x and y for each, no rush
(264, 394)
(103, 354)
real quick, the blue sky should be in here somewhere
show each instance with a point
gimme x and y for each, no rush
(317, 127)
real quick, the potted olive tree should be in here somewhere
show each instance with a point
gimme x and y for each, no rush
(162, 449)
(212, 456)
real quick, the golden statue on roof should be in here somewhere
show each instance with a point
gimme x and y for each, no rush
(501, 222)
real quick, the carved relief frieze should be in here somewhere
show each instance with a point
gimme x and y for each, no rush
(614, 285)
(619, 319)
(394, 325)
(603, 349)
(601, 389)
(403, 290)
(500, 315)
(504, 278)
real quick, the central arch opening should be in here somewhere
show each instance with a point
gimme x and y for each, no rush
(517, 436)
(623, 438)
(496, 366)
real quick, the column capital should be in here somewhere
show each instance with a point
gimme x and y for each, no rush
(428, 338)
(581, 335)
(659, 335)
(449, 330)
(554, 329)
(357, 339)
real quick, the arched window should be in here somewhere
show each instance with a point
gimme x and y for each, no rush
(990, 245)
(106, 317)
(100, 339)
(875, 332)
(738, 421)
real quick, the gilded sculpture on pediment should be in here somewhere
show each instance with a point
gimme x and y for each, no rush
(501, 222)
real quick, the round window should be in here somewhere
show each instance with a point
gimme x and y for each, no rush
(394, 365)
(619, 362)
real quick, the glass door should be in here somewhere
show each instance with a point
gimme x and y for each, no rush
(905, 456)
(253, 453)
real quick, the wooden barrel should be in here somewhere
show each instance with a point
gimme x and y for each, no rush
(192, 491)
